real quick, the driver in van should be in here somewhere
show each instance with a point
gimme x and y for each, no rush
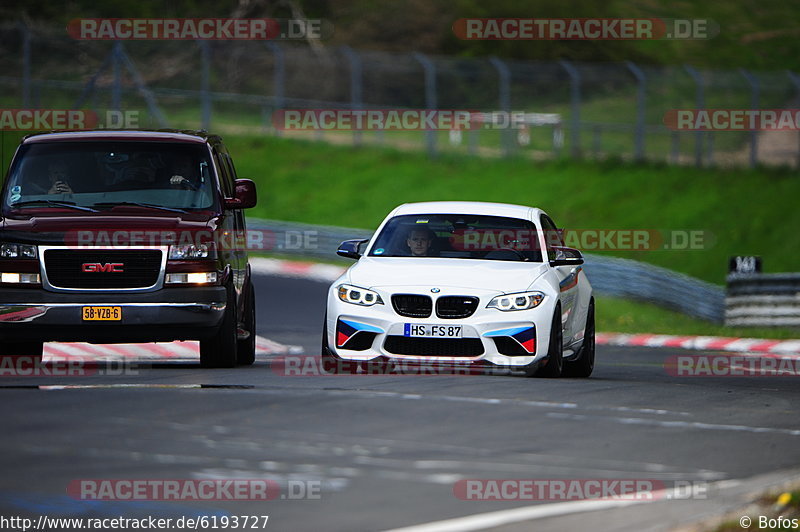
(184, 174)
(58, 178)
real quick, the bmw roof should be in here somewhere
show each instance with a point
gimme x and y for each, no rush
(468, 207)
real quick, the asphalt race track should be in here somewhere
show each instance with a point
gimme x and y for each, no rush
(385, 451)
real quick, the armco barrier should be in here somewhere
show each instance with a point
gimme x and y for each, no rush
(763, 299)
(609, 275)
(644, 282)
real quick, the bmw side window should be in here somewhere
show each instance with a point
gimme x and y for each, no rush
(552, 237)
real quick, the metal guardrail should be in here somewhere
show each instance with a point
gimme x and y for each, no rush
(763, 299)
(627, 278)
(609, 275)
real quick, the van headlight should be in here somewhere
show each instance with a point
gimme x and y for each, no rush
(18, 251)
(358, 296)
(518, 301)
(190, 251)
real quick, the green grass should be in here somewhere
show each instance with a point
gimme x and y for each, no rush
(741, 211)
(625, 316)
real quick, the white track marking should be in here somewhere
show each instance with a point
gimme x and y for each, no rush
(677, 424)
(541, 511)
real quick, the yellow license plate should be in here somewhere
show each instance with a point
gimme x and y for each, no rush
(102, 313)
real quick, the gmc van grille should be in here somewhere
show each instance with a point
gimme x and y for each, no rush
(92, 269)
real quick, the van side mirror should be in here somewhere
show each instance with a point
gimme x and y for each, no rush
(244, 195)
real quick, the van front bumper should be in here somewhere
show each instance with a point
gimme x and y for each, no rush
(185, 313)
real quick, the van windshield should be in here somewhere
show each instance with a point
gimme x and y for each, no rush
(101, 175)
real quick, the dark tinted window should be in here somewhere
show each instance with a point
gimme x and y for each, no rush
(458, 236)
(174, 175)
(552, 236)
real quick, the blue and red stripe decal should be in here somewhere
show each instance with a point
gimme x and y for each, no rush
(525, 336)
(346, 329)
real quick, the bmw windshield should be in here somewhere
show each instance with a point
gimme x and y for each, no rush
(461, 236)
(101, 175)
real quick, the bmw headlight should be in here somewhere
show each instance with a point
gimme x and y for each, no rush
(358, 296)
(518, 301)
(190, 251)
(17, 251)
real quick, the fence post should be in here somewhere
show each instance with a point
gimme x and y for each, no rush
(116, 88)
(430, 97)
(700, 103)
(639, 132)
(278, 79)
(146, 93)
(26, 64)
(88, 89)
(575, 97)
(596, 141)
(675, 147)
(795, 79)
(755, 89)
(356, 80)
(205, 84)
(505, 102)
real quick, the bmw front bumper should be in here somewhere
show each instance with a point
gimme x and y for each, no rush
(511, 339)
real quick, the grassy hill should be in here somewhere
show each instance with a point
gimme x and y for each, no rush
(739, 211)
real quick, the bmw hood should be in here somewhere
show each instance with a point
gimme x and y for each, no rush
(493, 275)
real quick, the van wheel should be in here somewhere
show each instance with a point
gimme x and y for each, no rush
(219, 351)
(13, 350)
(246, 349)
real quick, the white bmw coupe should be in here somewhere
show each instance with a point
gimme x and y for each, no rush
(455, 282)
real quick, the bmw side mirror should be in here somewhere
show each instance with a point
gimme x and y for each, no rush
(566, 257)
(351, 249)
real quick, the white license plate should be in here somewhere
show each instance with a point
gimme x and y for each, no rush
(425, 330)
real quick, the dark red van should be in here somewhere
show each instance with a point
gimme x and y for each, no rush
(126, 236)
